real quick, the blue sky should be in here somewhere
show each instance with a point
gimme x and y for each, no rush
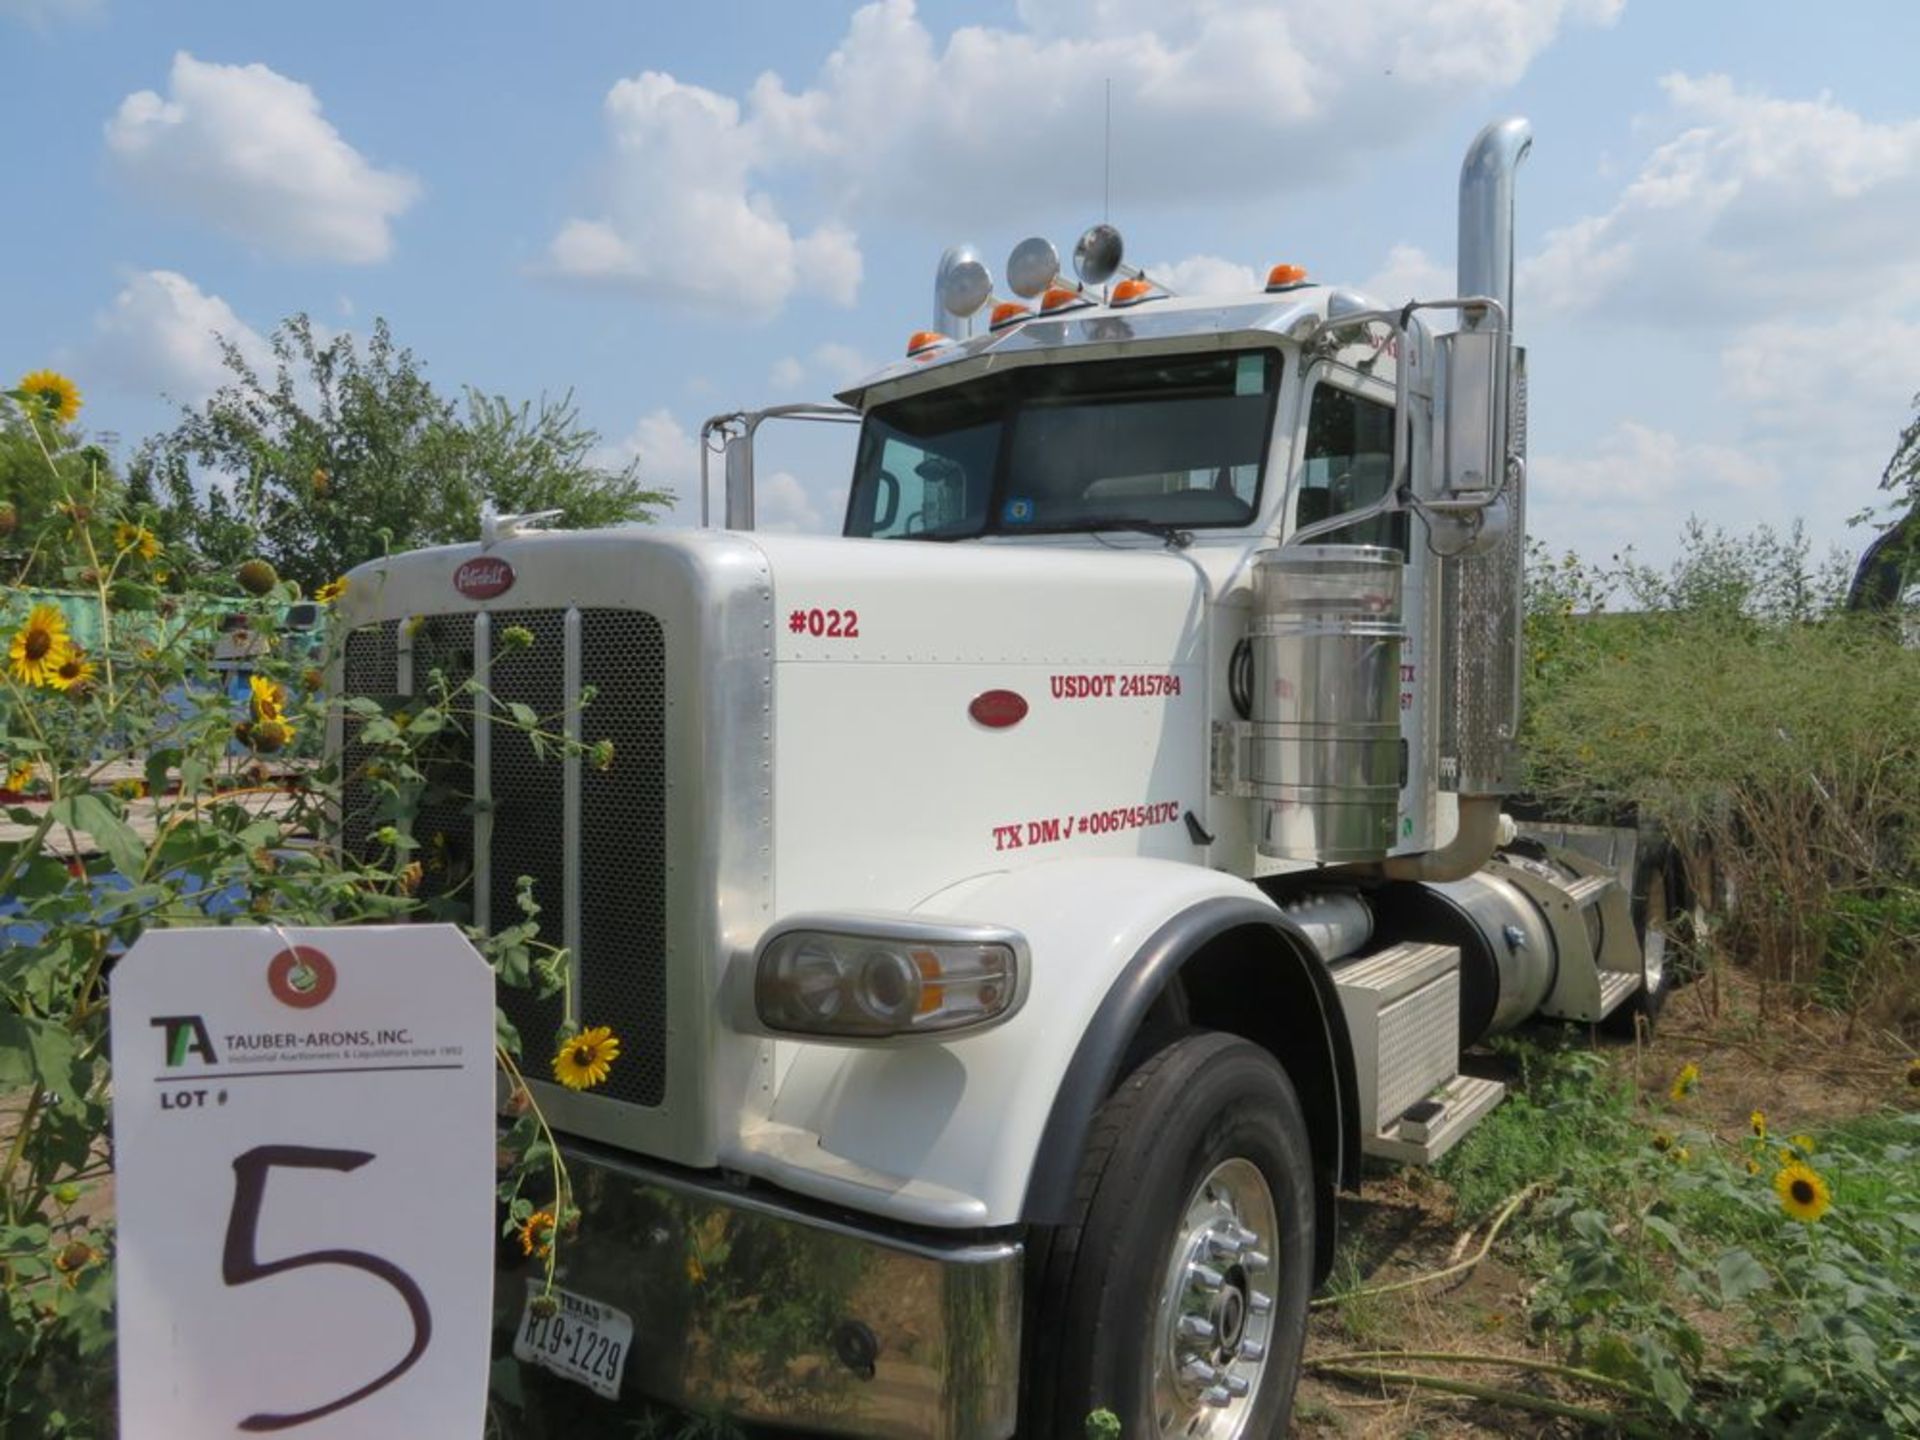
(676, 210)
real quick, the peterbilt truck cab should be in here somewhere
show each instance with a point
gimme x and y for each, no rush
(1024, 913)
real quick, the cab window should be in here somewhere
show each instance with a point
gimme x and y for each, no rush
(1347, 465)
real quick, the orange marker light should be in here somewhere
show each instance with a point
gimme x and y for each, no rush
(922, 341)
(1285, 277)
(1008, 312)
(1059, 297)
(1132, 291)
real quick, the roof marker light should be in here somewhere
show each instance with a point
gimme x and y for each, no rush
(1132, 291)
(923, 341)
(1008, 312)
(1059, 298)
(1286, 277)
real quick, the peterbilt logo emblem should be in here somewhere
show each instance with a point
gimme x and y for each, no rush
(483, 577)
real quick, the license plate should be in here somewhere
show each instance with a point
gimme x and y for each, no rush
(582, 1340)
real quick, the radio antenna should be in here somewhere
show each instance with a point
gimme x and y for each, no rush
(1106, 160)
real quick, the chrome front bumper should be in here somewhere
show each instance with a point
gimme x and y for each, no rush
(744, 1307)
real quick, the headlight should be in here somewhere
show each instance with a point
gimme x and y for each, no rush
(871, 978)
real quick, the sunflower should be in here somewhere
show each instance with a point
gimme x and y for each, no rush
(1803, 1193)
(56, 392)
(584, 1060)
(331, 591)
(40, 646)
(1802, 1143)
(269, 737)
(1753, 1166)
(1913, 1073)
(19, 777)
(1662, 1141)
(73, 1257)
(536, 1234)
(73, 674)
(1684, 1082)
(269, 699)
(1758, 1120)
(136, 538)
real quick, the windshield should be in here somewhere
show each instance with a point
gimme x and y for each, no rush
(1177, 440)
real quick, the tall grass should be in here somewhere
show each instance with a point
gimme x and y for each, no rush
(1775, 738)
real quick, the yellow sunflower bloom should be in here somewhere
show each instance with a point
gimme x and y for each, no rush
(19, 777)
(1662, 1141)
(73, 674)
(536, 1234)
(136, 538)
(1803, 1143)
(1758, 1120)
(586, 1059)
(1803, 1193)
(331, 591)
(1684, 1082)
(40, 646)
(269, 699)
(56, 392)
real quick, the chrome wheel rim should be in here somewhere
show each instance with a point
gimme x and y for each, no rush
(1654, 959)
(1214, 1319)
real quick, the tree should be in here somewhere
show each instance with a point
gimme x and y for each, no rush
(344, 455)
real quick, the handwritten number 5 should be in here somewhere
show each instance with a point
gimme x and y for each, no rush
(240, 1266)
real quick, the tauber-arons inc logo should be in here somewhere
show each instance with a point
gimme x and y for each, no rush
(302, 977)
(185, 1035)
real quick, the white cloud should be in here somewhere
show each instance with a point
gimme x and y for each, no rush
(669, 459)
(162, 334)
(246, 149)
(1409, 273)
(1752, 207)
(1205, 275)
(782, 505)
(1640, 484)
(830, 366)
(900, 122)
(682, 217)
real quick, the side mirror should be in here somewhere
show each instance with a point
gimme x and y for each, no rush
(1473, 412)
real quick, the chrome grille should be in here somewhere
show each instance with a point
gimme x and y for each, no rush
(576, 830)
(623, 845)
(529, 833)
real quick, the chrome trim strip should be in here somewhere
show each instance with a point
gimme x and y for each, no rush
(570, 806)
(482, 769)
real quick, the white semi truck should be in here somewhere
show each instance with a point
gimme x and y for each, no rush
(1022, 914)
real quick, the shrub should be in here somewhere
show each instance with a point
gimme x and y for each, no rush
(1772, 735)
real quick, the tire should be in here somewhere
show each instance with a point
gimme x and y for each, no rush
(1177, 1163)
(1655, 915)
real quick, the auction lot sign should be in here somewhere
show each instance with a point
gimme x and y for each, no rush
(304, 1143)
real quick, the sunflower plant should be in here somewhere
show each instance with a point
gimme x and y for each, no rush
(145, 783)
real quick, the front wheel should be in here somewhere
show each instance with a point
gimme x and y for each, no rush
(1177, 1296)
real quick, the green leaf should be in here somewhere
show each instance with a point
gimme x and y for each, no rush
(35, 1050)
(1741, 1275)
(91, 815)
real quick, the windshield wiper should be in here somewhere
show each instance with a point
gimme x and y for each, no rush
(1175, 537)
(942, 534)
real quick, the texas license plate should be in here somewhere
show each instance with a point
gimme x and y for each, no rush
(582, 1340)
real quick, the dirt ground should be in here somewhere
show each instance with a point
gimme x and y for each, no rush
(1804, 1070)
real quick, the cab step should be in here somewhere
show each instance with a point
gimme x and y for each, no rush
(1427, 1130)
